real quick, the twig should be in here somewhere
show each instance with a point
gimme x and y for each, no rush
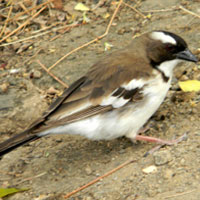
(100, 3)
(188, 11)
(30, 9)
(36, 53)
(24, 8)
(24, 24)
(4, 27)
(8, 4)
(48, 27)
(161, 10)
(52, 75)
(67, 28)
(30, 178)
(133, 8)
(179, 194)
(24, 39)
(99, 178)
(92, 41)
(38, 35)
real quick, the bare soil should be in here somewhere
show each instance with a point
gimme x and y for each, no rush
(54, 166)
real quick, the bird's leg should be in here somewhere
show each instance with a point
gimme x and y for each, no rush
(144, 129)
(159, 141)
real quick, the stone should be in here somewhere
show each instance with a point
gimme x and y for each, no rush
(162, 157)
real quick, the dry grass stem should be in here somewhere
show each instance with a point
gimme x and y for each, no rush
(133, 8)
(51, 74)
(30, 9)
(188, 11)
(179, 194)
(98, 179)
(24, 24)
(40, 34)
(92, 41)
(24, 8)
(31, 178)
(8, 17)
(161, 10)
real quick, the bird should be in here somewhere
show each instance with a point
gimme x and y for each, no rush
(117, 96)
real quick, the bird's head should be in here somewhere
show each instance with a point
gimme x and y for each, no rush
(165, 46)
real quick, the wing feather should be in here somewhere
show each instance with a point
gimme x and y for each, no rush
(108, 85)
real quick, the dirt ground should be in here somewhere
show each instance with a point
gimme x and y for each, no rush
(54, 166)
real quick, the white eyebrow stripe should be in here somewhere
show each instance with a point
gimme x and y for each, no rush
(156, 35)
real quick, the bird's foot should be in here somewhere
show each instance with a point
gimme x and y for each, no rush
(159, 141)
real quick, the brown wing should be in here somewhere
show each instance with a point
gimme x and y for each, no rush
(56, 104)
(83, 98)
(101, 81)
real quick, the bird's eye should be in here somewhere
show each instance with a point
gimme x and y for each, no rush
(170, 47)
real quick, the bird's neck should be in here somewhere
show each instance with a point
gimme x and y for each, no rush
(167, 67)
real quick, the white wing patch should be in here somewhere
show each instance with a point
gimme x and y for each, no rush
(110, 125)
(158, 35)
(133, 84)
(117, 101)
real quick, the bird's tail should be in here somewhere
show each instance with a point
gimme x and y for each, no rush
(16, 141)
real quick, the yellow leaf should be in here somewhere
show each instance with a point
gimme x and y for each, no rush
(190, 85)
(105, 16)
(107, 46)
(81, 7)
(7, 191)
(148, 16)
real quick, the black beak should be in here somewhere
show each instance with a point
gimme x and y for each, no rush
(187, 55)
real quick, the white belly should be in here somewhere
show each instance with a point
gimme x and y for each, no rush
(125, 121)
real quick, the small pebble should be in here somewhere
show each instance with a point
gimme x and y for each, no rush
(3, 87)
(162, 157)
(183, 78)
(168, 174)
(15, 71)
(88, 170)
(150, 169)
(52, 90)
(182, 161)
(122, 151)
(151, 192)
(87, 198)
(35, 74)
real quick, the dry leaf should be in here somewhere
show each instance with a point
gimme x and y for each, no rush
(58, 4)
(81, 7)
(106, 15)
(190, 85)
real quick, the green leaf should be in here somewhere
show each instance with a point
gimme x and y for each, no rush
(7, 191)
(190, 85)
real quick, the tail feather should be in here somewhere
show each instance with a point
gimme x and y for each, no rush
(30, 134)
(16, 141)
